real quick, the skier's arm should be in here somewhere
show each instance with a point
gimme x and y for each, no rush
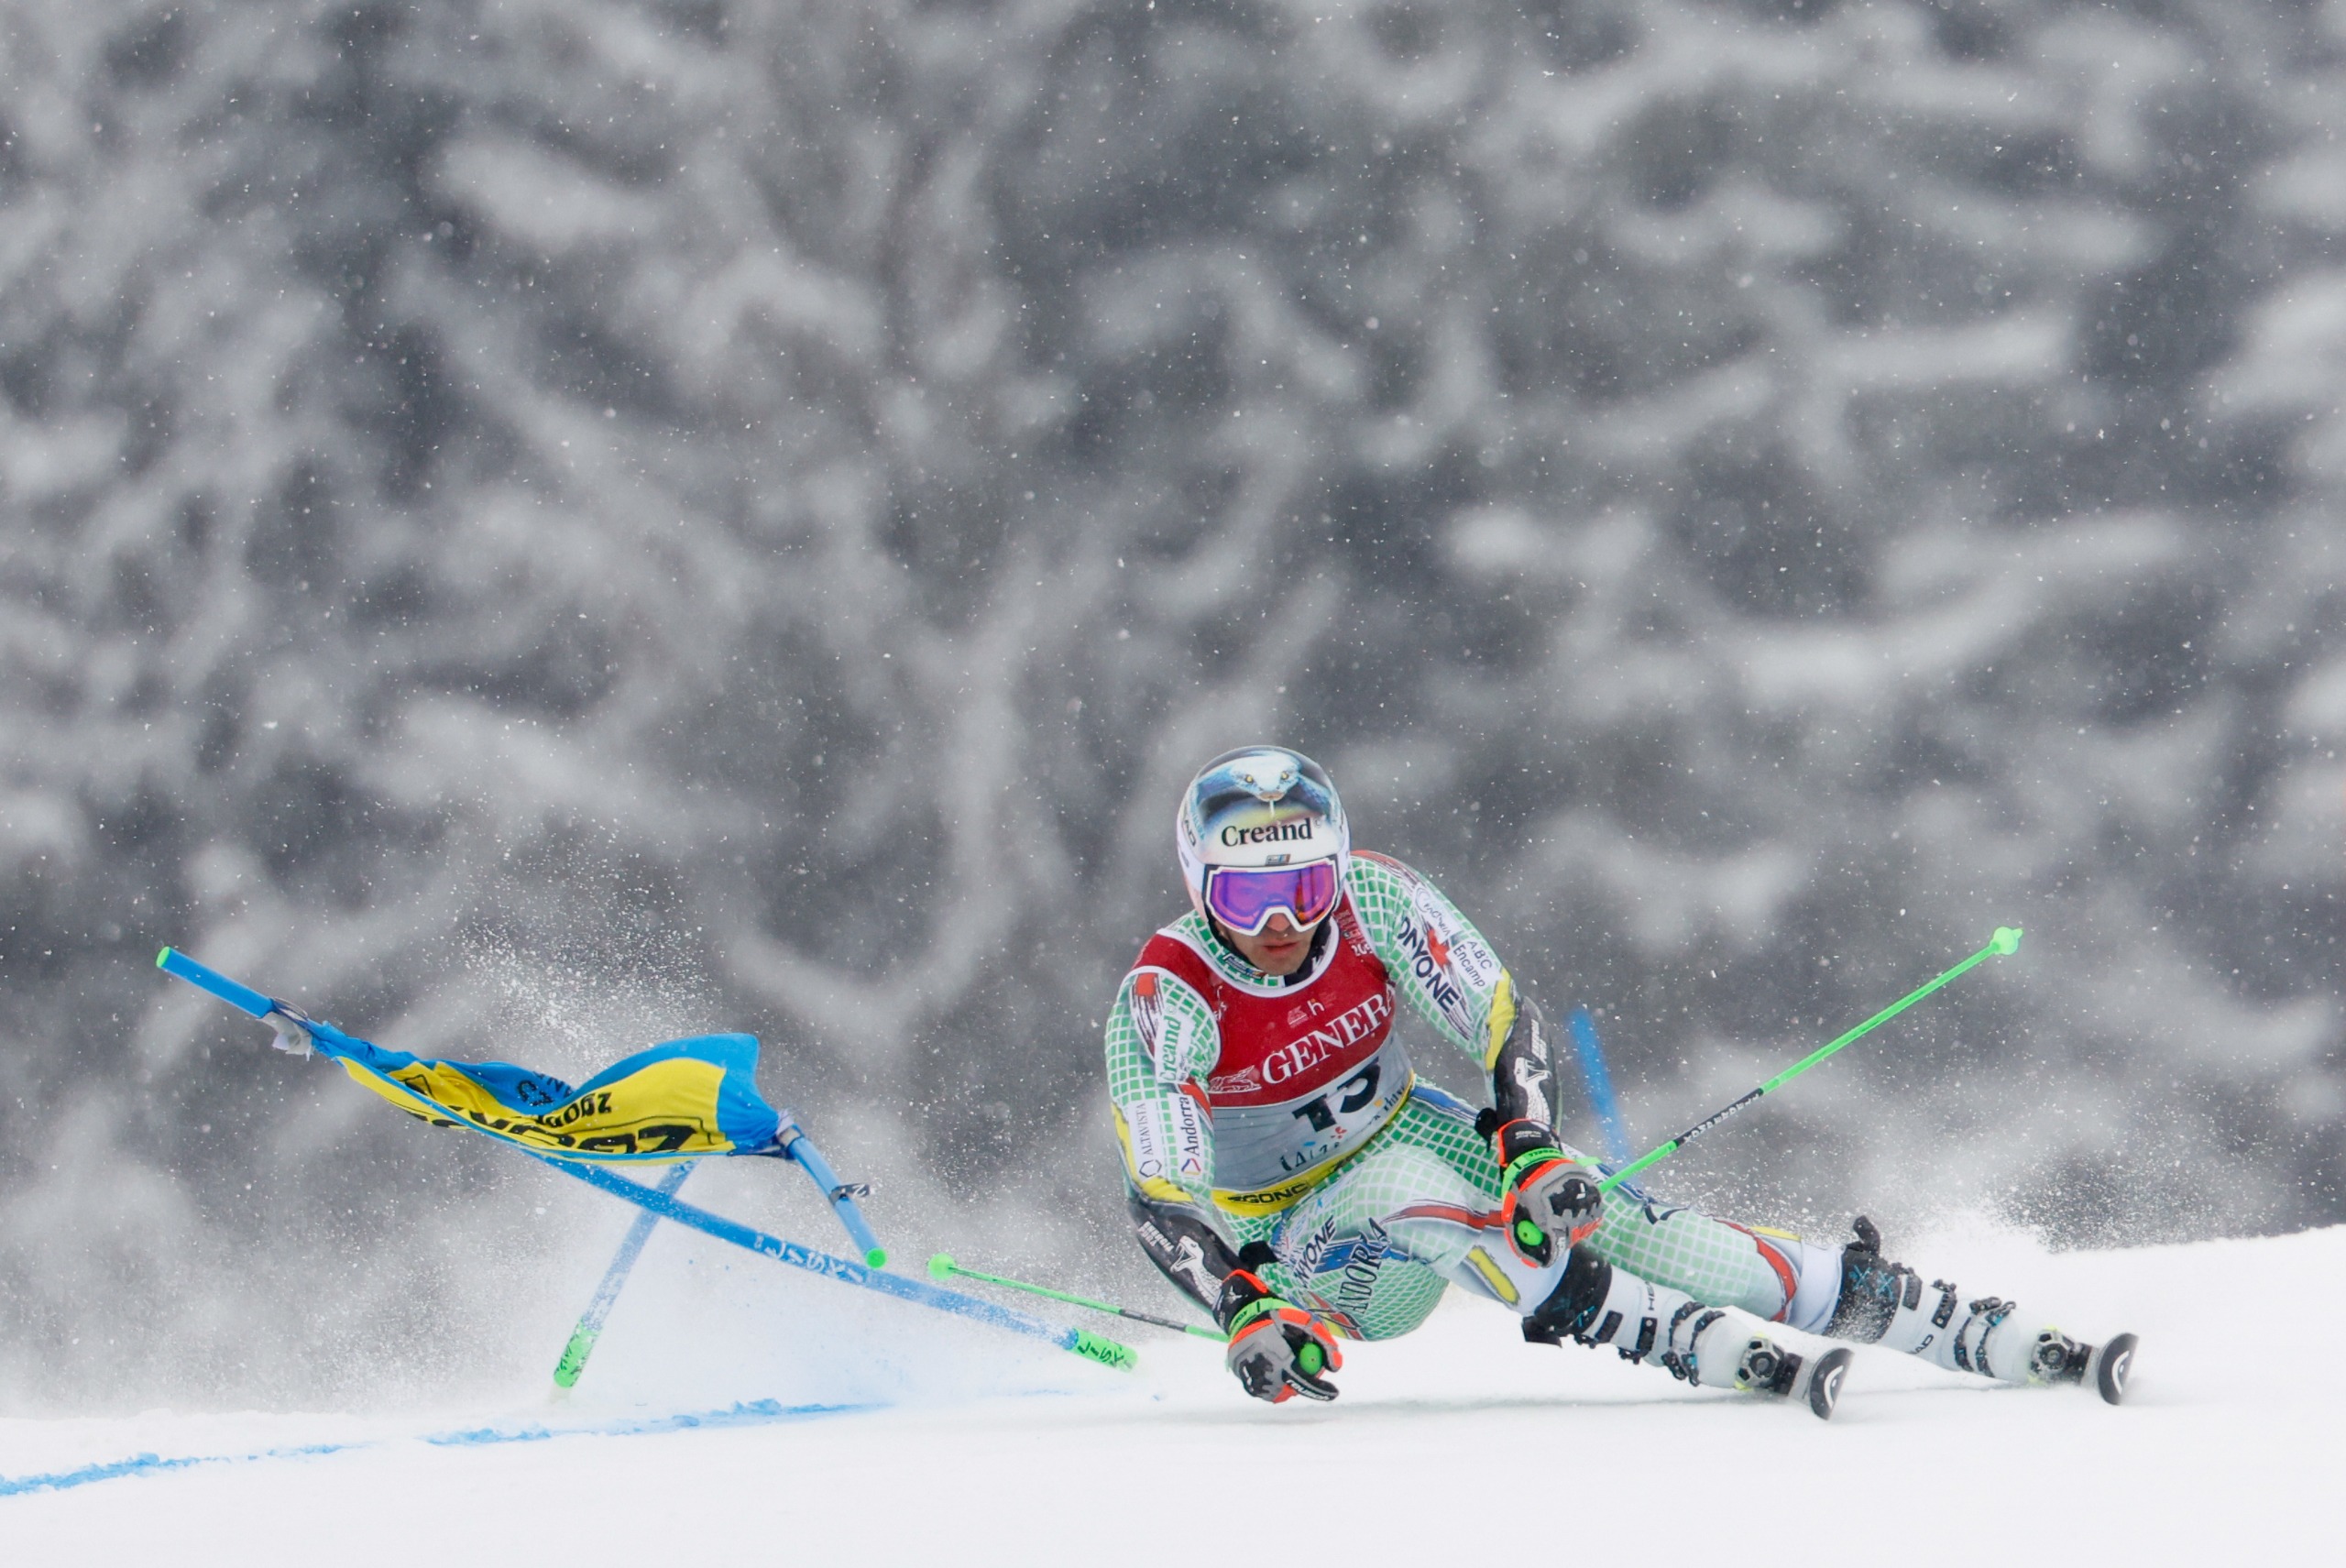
(1451, 976)
(1162, 1041)
(1455, 982)
(1162, 1045)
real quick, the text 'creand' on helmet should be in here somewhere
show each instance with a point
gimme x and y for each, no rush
(1259, 806)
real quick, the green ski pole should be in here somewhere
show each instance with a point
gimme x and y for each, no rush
(2005, 940)
(942, 1267)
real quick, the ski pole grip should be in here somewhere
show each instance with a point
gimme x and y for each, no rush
(244, 998)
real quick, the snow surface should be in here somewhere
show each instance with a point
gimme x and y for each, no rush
(969, 1449)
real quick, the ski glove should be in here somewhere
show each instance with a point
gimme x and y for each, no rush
(1547, 1195)
(1277, 1349)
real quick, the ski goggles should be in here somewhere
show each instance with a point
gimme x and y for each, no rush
(1244, 898)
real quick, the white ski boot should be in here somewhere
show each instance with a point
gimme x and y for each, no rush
(1728, 1348)
(1887, 1304)
(1711, 1347)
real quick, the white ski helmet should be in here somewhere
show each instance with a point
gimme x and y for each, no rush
(1270, 817)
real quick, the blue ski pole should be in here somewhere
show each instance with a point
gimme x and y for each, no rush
(607, 1294)
(1600, 1087)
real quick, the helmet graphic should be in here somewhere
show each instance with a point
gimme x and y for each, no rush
(1261, 832)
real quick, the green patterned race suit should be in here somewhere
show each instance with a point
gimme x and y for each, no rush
(1373, 1244)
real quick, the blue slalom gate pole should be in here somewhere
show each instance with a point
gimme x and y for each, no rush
(1600, 1086)
(1082, 1341)
(794, 1145)
(800, 1150)
(244, 998)
(607, 1294)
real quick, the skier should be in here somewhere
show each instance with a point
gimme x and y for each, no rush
(1287, 1171)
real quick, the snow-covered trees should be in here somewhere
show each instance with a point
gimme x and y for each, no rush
(755, 509)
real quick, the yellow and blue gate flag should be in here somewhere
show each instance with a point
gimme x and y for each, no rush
(677, 1101)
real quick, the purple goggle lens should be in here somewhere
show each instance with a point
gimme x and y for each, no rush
(1245, 899)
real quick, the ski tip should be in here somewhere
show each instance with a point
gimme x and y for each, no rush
(2113, 1367)
(163, 959)
(941, 1266)
(2006, 939)
(877, 1257)
(1824, 1383)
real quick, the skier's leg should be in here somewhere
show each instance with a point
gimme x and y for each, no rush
(1769, 1274)
(1850, 1293)
(1342, 1252)
(1373, 1246)
(1420, 1206)
(1885, 1303)
(1595, 1303)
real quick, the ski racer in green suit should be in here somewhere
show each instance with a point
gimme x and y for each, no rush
(1288, 1170)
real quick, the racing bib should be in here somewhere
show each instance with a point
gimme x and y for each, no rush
(1268, 1156)
(1306, 1073)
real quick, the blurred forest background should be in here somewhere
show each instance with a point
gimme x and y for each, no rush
(534, 527)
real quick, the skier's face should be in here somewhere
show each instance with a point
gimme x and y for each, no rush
(1277, 948)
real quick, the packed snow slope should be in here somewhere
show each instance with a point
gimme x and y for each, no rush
(842, 1431)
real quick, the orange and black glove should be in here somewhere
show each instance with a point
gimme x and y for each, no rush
(1547, 1196)
(1277, 1349)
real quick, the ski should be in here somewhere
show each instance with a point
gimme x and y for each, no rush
(2112, 1363)
(1815, 1381)
(1823, 1387)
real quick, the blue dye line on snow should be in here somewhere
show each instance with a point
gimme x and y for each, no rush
(150, 1464)
(754, 1413)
